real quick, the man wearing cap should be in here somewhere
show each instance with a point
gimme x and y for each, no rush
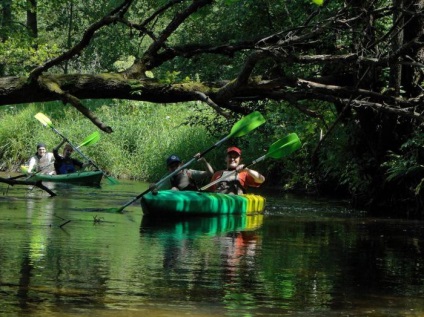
(238, 182)
(187, 179)
(42, 161)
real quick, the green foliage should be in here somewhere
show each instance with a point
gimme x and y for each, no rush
(20, 56)
(18, 136)
(145, 135)
(340, 168)
(407, 167)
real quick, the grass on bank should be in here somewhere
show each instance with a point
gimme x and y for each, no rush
(144, 136)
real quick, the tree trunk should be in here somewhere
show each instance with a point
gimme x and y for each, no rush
(398, 39)
(70, 26)
(411, 77)
(32, 18)
(5, 23)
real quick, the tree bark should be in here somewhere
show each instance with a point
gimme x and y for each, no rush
(5, 24)
(32, 18)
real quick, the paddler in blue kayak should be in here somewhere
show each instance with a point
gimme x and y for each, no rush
(236, 183)
(187, 179)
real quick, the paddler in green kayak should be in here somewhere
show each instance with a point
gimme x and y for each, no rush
(187, 179)
(236, 183)
(65, 164)
(42, 161)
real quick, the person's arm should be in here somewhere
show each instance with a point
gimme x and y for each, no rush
(56, 149)
(209, 168)
(84, 165)
(257, 177)
(31, 165)
(78, 163)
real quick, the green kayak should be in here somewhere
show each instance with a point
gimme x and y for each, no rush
(89, 178)
(187, 203)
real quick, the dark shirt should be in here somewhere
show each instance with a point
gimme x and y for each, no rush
(188, 179)
(65, 165)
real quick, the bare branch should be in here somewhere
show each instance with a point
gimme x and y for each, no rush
(39, 184)
(210, 103)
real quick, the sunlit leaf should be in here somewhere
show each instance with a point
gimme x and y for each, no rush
(318, 2)
(149, 74)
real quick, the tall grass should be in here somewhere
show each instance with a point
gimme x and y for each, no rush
(144, 136)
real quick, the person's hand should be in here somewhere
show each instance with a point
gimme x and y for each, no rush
(153, 189)
(240, 167)
(198, 157)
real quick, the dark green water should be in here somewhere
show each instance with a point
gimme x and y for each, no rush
(66, 256)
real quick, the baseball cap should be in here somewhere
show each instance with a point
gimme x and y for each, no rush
(172, 159)
(41, 145)
(234, 149)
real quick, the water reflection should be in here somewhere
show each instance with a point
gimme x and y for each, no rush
(234, 234)
(211, 259)
(301, 258)
(189, 227)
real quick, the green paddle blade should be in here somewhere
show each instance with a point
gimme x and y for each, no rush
(92, 139)
(43, 119)
(247, 124)
(284, 146)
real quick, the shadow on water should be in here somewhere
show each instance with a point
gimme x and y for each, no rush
(63, 256)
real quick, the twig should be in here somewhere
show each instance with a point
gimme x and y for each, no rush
(68, 221)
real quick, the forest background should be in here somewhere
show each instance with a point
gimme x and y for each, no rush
(161, 77)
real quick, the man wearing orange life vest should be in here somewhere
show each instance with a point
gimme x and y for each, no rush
(238, 182)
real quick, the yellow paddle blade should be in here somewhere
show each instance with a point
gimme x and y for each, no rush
(43, 119)
(24, 169)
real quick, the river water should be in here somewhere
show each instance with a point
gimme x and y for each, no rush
(69, 256)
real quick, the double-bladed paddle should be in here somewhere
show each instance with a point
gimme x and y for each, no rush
(48, 123)
(240, 128)
(277, 150)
